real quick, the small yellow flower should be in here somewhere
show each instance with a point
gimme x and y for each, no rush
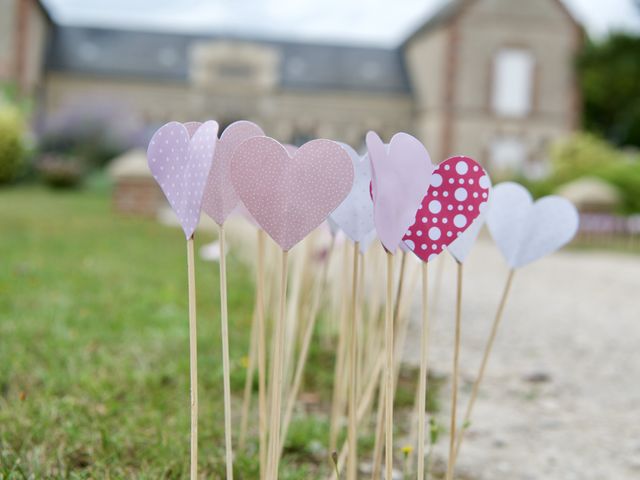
(244, 361)
(406, 450)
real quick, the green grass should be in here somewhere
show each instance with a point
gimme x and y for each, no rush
(94, 369)
(94, 342)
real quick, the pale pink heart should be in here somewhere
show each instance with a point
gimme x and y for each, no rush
(401, 172)
(290, 196)
(220, 198)
(192, 127)
(181, 165)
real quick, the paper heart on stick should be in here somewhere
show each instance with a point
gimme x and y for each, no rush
(458, 193)
(180, 163)
(192, 127)
(401, 172)
(354, 216)
(525, 230)
(220, 198)
(289, 196)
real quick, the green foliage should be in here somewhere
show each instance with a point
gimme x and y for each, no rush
(609, 71)
(12, 148)
(586, 155)
(61, 171)
(626, 177)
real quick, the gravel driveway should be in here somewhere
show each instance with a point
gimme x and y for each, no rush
(561, 397)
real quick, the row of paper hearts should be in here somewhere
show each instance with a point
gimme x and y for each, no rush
(393, 192)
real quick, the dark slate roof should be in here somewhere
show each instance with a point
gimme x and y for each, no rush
(164, 56)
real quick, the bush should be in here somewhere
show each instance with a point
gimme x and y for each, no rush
(89, 132)
(12, 149)
(585, 155)
(626, 177)
(581, 155)
(61, 171)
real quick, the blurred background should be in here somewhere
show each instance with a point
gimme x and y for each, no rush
(544, 92)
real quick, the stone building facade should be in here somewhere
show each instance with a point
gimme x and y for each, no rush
(492, 79)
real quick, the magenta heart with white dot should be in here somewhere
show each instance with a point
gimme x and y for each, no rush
(457, 194)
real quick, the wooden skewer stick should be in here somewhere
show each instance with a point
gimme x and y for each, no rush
(306, 343)
(277, 367)
(454, 379)
(422, 380)
(226, 380)
(483, 364)
(377, 449)
(364, 404)
(389, 369)
(262, 356)
(193, 358)
(248, 383)
(376, 379)
(337, 402)
(352, 430)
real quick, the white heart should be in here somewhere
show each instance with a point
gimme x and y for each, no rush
(526, 231)
(354, 215)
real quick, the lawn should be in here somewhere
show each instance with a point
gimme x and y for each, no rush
(94, 371)
(94, 342)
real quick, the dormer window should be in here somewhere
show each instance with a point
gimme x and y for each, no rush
(232, 71)
(233, 65)
(512, 88)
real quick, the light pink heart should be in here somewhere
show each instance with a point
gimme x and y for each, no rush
(289, 196)
(220, 198)
(401, 172)
(180, 164)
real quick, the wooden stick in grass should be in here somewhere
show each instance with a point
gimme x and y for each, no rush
(454, 376)
(262, 356)
(337, 402)
(380, 423)
(248, 383)
(193, 358)
(277, 367)
(226, 375)
(389, 377)
(352, 432)
(255, 357)
(306, 343)
(483, 365)
(422, 380)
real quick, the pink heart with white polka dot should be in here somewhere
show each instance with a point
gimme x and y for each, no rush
(458, 193)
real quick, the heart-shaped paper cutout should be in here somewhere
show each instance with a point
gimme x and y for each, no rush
(525, 231)
(192, 127)
(290, 196)
(457, 195)
(461, 247)
(401, 172)
(220, 198)
(180, 165)
(354, 215)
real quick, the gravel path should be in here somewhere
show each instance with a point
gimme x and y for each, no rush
(561, 397)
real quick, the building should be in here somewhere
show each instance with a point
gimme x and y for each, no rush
(492, 79)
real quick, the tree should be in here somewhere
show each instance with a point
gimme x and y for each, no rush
(609, 72)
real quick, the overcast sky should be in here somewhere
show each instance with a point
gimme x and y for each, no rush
(381, 22)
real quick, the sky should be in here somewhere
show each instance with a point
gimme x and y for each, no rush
(372, 22)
